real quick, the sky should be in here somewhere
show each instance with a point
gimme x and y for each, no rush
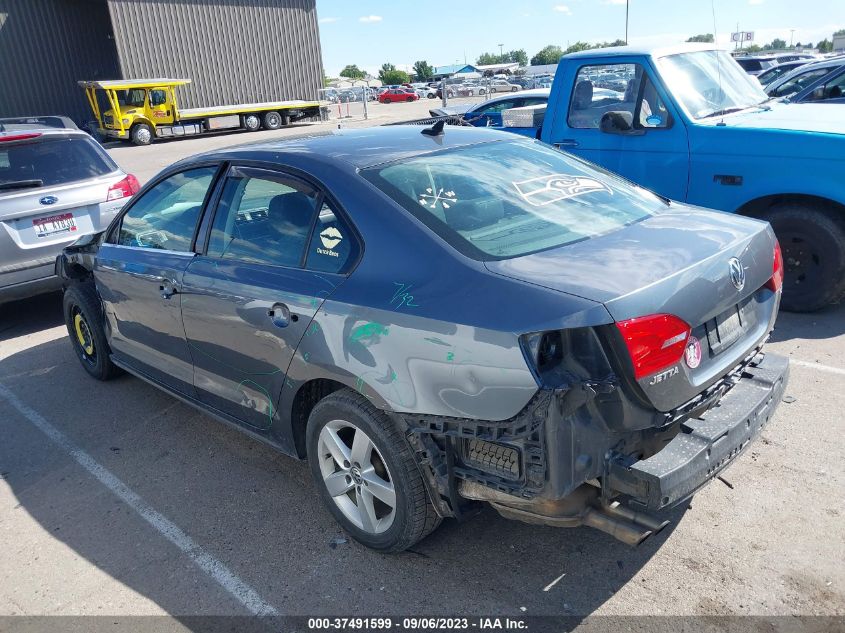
(371, 32)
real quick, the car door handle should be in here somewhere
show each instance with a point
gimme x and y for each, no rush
(568, 142)
(281, 316)
(167, 288)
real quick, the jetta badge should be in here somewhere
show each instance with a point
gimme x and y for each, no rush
(737, 273)
(49, 200)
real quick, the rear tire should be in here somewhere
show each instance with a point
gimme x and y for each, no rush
(84, 320)
(251, 122)
(813, 244)
(272, 121)
(387, 464)
(141, 134)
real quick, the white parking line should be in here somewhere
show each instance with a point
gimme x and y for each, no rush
(241, 591)
(818, 366)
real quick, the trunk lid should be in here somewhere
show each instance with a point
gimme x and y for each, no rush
(675, 262)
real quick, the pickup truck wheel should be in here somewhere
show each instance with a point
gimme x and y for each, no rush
(367, 474)
(813, 246)
(251, 122)
(272, 121)
(141, 134)
(84, 321)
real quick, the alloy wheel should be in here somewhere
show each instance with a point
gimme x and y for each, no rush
(356, 476)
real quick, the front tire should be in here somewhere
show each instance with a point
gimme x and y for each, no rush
(514, 89)
(84, 320)
(366, 474)
(141, 134)
(813, 244)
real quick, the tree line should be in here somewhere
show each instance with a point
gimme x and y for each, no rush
(551, 54)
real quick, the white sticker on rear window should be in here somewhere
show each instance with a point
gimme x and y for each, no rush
(544, 190)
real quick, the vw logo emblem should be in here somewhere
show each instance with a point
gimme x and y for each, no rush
(49, 200)
(737, 273)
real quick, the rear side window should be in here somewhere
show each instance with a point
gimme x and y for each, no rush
(53, 161)
(507, 199)
(165, 216)
(263, 219)
(332, 247)
(750, 65)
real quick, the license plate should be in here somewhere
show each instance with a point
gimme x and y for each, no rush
(727, 330)
(54, 224)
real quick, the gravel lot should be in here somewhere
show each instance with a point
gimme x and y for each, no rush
(118, 499)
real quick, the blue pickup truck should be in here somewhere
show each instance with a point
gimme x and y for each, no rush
(689, 124)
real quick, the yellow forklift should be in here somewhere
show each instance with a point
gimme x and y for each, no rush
(140, 110)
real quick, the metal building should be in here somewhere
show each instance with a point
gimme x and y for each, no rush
(235, 51)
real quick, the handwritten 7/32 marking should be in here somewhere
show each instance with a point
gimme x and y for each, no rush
(402, 297)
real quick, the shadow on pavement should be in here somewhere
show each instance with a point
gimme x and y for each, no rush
(826, 323)
(27, 316)
(258, 512)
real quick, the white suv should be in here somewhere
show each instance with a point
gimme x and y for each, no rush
(56, 185)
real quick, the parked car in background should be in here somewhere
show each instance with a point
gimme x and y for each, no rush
(340, 298)
(56, 185)
(502, 85)
(756, 65)
(818, 82)
(489, 113)
(426, 92)
(395, 95)
(768, 76)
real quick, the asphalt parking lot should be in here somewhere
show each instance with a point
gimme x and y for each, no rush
(118, 499)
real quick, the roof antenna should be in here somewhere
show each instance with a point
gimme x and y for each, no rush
(436, 129)
(718, 60)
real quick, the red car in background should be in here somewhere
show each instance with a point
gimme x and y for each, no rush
(391, 96)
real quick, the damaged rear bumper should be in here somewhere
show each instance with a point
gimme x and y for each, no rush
(705, 445)
(557, 464)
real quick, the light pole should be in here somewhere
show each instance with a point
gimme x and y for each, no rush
(627, 2)
(501, 46)
(791, 37)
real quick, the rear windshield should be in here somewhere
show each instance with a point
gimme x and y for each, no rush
(506, 199)
(51, 160)
(750, 64)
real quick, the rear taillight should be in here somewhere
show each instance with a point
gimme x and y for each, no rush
(127, 187)
(776, 282)
(654, 342)
(18, 137)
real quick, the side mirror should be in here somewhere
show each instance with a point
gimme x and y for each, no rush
(617, 122)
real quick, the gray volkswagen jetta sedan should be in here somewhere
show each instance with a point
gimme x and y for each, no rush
(436, 319)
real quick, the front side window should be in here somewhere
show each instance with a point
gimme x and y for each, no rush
(799, 82)
(158, 97)
(263, 218)
(832, 89)
(165, 216)
(511, 198)
(622, 89)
